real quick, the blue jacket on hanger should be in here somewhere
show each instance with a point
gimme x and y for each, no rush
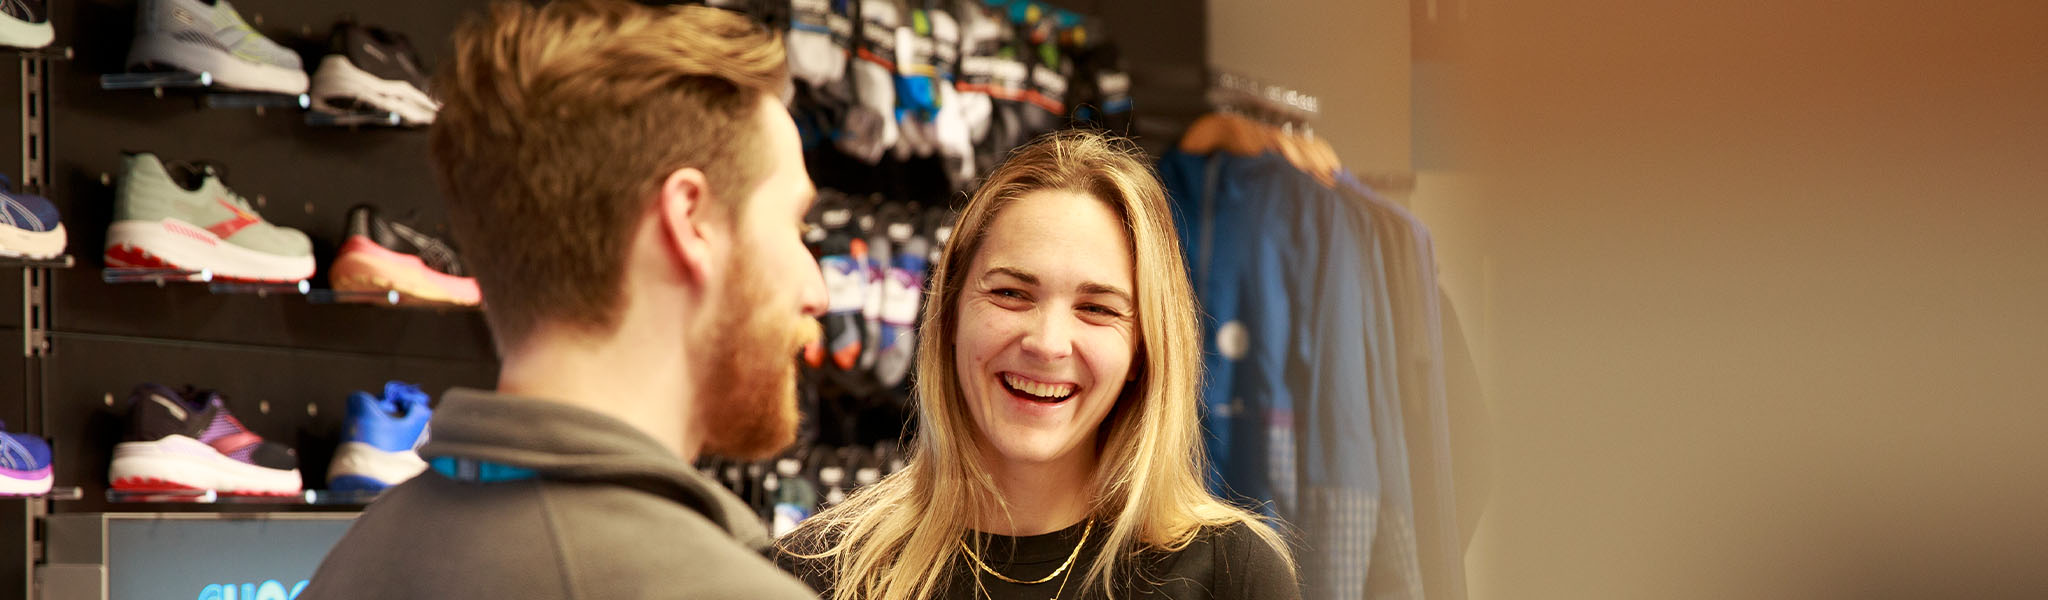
(1298, 354)
(1277, 260)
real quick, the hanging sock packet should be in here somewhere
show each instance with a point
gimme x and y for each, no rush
(917, 77)
(870, 127)
(951, 133)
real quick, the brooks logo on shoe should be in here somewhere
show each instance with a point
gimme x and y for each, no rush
(227, 229)
(236, 442)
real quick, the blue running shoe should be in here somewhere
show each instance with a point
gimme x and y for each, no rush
(28, 224)
(24, 464)
(380, 448)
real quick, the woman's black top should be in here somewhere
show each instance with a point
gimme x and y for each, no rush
(1223, 563)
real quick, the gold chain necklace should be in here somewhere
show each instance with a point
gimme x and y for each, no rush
(1056, 572)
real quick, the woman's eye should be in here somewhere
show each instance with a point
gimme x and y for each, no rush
(1010, 293)
(1101, 310)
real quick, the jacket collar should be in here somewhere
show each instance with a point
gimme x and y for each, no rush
(564, 443)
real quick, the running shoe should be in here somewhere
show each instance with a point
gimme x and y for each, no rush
(384, 255)
(29, 226)
(208, 36)
(368, 69)
(380, 448)
(187, 440)
(25, 23)
(24, 464)
(180, 216)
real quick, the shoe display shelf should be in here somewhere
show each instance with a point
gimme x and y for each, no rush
(319, 118)
(214, 97)
(59, 493)
(45, 53)
(210, 96)
(23, 262)
(387, 298)
(162, 277)
(304, 498)
(301, 288)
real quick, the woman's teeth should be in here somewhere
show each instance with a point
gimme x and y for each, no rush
(1051, 391)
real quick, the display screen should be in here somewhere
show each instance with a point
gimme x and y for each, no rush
(217, 559)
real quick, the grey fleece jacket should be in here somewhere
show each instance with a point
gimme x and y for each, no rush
(568, 504)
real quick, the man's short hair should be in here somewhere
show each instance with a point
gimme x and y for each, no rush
(560, 122)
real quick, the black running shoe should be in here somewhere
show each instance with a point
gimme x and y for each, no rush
(186, 440)
(368, 69)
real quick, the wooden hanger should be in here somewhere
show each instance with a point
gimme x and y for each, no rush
(1322, 155)
(1291, 149)
(1226, 132)
(1306, 156)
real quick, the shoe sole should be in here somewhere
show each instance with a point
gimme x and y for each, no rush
(25, 483)
(358, 483)
(340, 87)
(23, 34)
(364, 467)
(32, 244)
(227, 69)
(363, 266)
(179, 463)
(175, 244)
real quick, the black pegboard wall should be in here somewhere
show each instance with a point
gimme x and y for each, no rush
(271, 356)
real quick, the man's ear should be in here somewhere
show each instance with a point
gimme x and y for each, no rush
(681, 202)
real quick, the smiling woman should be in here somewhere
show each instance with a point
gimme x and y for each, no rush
(1058, 450)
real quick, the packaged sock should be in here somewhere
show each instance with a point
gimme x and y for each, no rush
(917, 75)
(983, 36)
(796, 498)
(1046, 89)
(876, 264)
(1006, 131)
(903, 291)
(871, 123)
(1100, 93)
(951, 135)
(819, 33)
(843, 253)
(937, 226)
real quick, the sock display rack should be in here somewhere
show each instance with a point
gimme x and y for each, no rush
(284, 355)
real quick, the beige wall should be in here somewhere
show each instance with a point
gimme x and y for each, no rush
(1351, 54)
(1759, 294)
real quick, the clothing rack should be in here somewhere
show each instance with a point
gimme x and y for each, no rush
(1278, 104)
(1288, 109)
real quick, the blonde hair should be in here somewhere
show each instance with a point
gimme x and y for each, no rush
(893, 539)
(560, 121)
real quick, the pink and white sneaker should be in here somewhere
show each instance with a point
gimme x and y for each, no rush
(382, 255)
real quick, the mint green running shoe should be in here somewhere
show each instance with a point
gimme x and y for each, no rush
(208, 36)
(180, 216)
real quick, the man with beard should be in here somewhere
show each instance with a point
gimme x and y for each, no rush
(628, 192)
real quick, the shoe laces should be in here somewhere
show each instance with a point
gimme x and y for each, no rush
(198, 171)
